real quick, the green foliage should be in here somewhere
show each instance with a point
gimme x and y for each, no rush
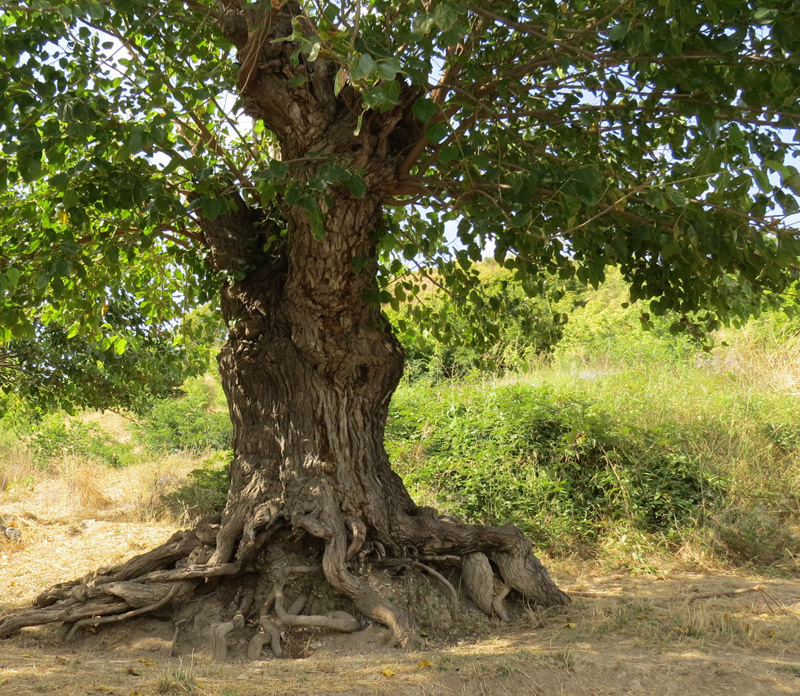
(604, 327)
(205, 492)
(57, 367)
(459, 341)
(755, 534)
(568, 138)
(196, 421)
(56, 436)
(636, 442)
(554, 463)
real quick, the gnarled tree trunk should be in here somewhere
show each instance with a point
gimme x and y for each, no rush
(308, 370)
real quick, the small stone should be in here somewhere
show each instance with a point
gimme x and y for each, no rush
(12, 534)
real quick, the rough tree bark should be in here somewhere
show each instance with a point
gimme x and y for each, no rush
(309, 368)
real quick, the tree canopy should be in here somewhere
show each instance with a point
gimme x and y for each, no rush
(559, 137)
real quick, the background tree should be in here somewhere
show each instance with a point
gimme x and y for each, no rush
(130, 363)
(565, 137)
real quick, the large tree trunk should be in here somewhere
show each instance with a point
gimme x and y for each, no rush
(309, 369)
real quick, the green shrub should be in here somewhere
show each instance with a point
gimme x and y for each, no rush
(204, 494)
(196, 421)
(755, 535)
(606, 328)
(499, 328)
(554, 463)
(56, 435)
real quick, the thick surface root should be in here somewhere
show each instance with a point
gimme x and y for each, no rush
(492, 562)
(482, 549)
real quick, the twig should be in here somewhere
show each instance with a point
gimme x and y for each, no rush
(732, 593)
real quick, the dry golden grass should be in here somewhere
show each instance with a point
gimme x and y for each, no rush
(623, 634)
(16, 466)
(772, 363)
(77, 516)
(621, 640)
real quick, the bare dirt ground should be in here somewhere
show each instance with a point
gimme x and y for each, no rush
(623, 634)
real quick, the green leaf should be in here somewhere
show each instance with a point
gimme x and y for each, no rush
(41, 280)
(713, 11)
(69, 199)
(339, 81)
(213, 207)
(765, 15)
(437, 132)
(96, 11)
(392, 92)
(424, 109)
(781, 83)
(30, 166)
(389, 68)
(12, 275)
(676, 197)
(357, 186)
(619, 31)
(365, 67)
(62, 268)
(59, 181)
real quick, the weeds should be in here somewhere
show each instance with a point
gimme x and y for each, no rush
(593, 454)
(56, 436)
(178, 681)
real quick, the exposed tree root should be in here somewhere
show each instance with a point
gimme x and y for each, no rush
(491, 561)
(127, 615)
(451, 591)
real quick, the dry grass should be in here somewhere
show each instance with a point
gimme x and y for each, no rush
(76, 516)
(178, 681)
(16, 465)
(621, 640)
(762, 359)
(623, 634)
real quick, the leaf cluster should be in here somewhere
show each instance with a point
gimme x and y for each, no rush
(563, 138)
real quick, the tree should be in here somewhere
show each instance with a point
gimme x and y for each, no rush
(566, 137)
(53, 368)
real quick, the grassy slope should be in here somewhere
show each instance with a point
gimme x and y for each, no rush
(628, 445)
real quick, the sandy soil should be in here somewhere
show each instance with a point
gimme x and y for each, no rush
(623, 635)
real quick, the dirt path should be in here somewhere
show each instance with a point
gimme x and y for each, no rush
(624, 635)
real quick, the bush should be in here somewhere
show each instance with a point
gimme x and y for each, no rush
(205, 494)
(55, 436)
(195, 421)
(755, 535)
(605, 328)
(448, 333)
(555, 464)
